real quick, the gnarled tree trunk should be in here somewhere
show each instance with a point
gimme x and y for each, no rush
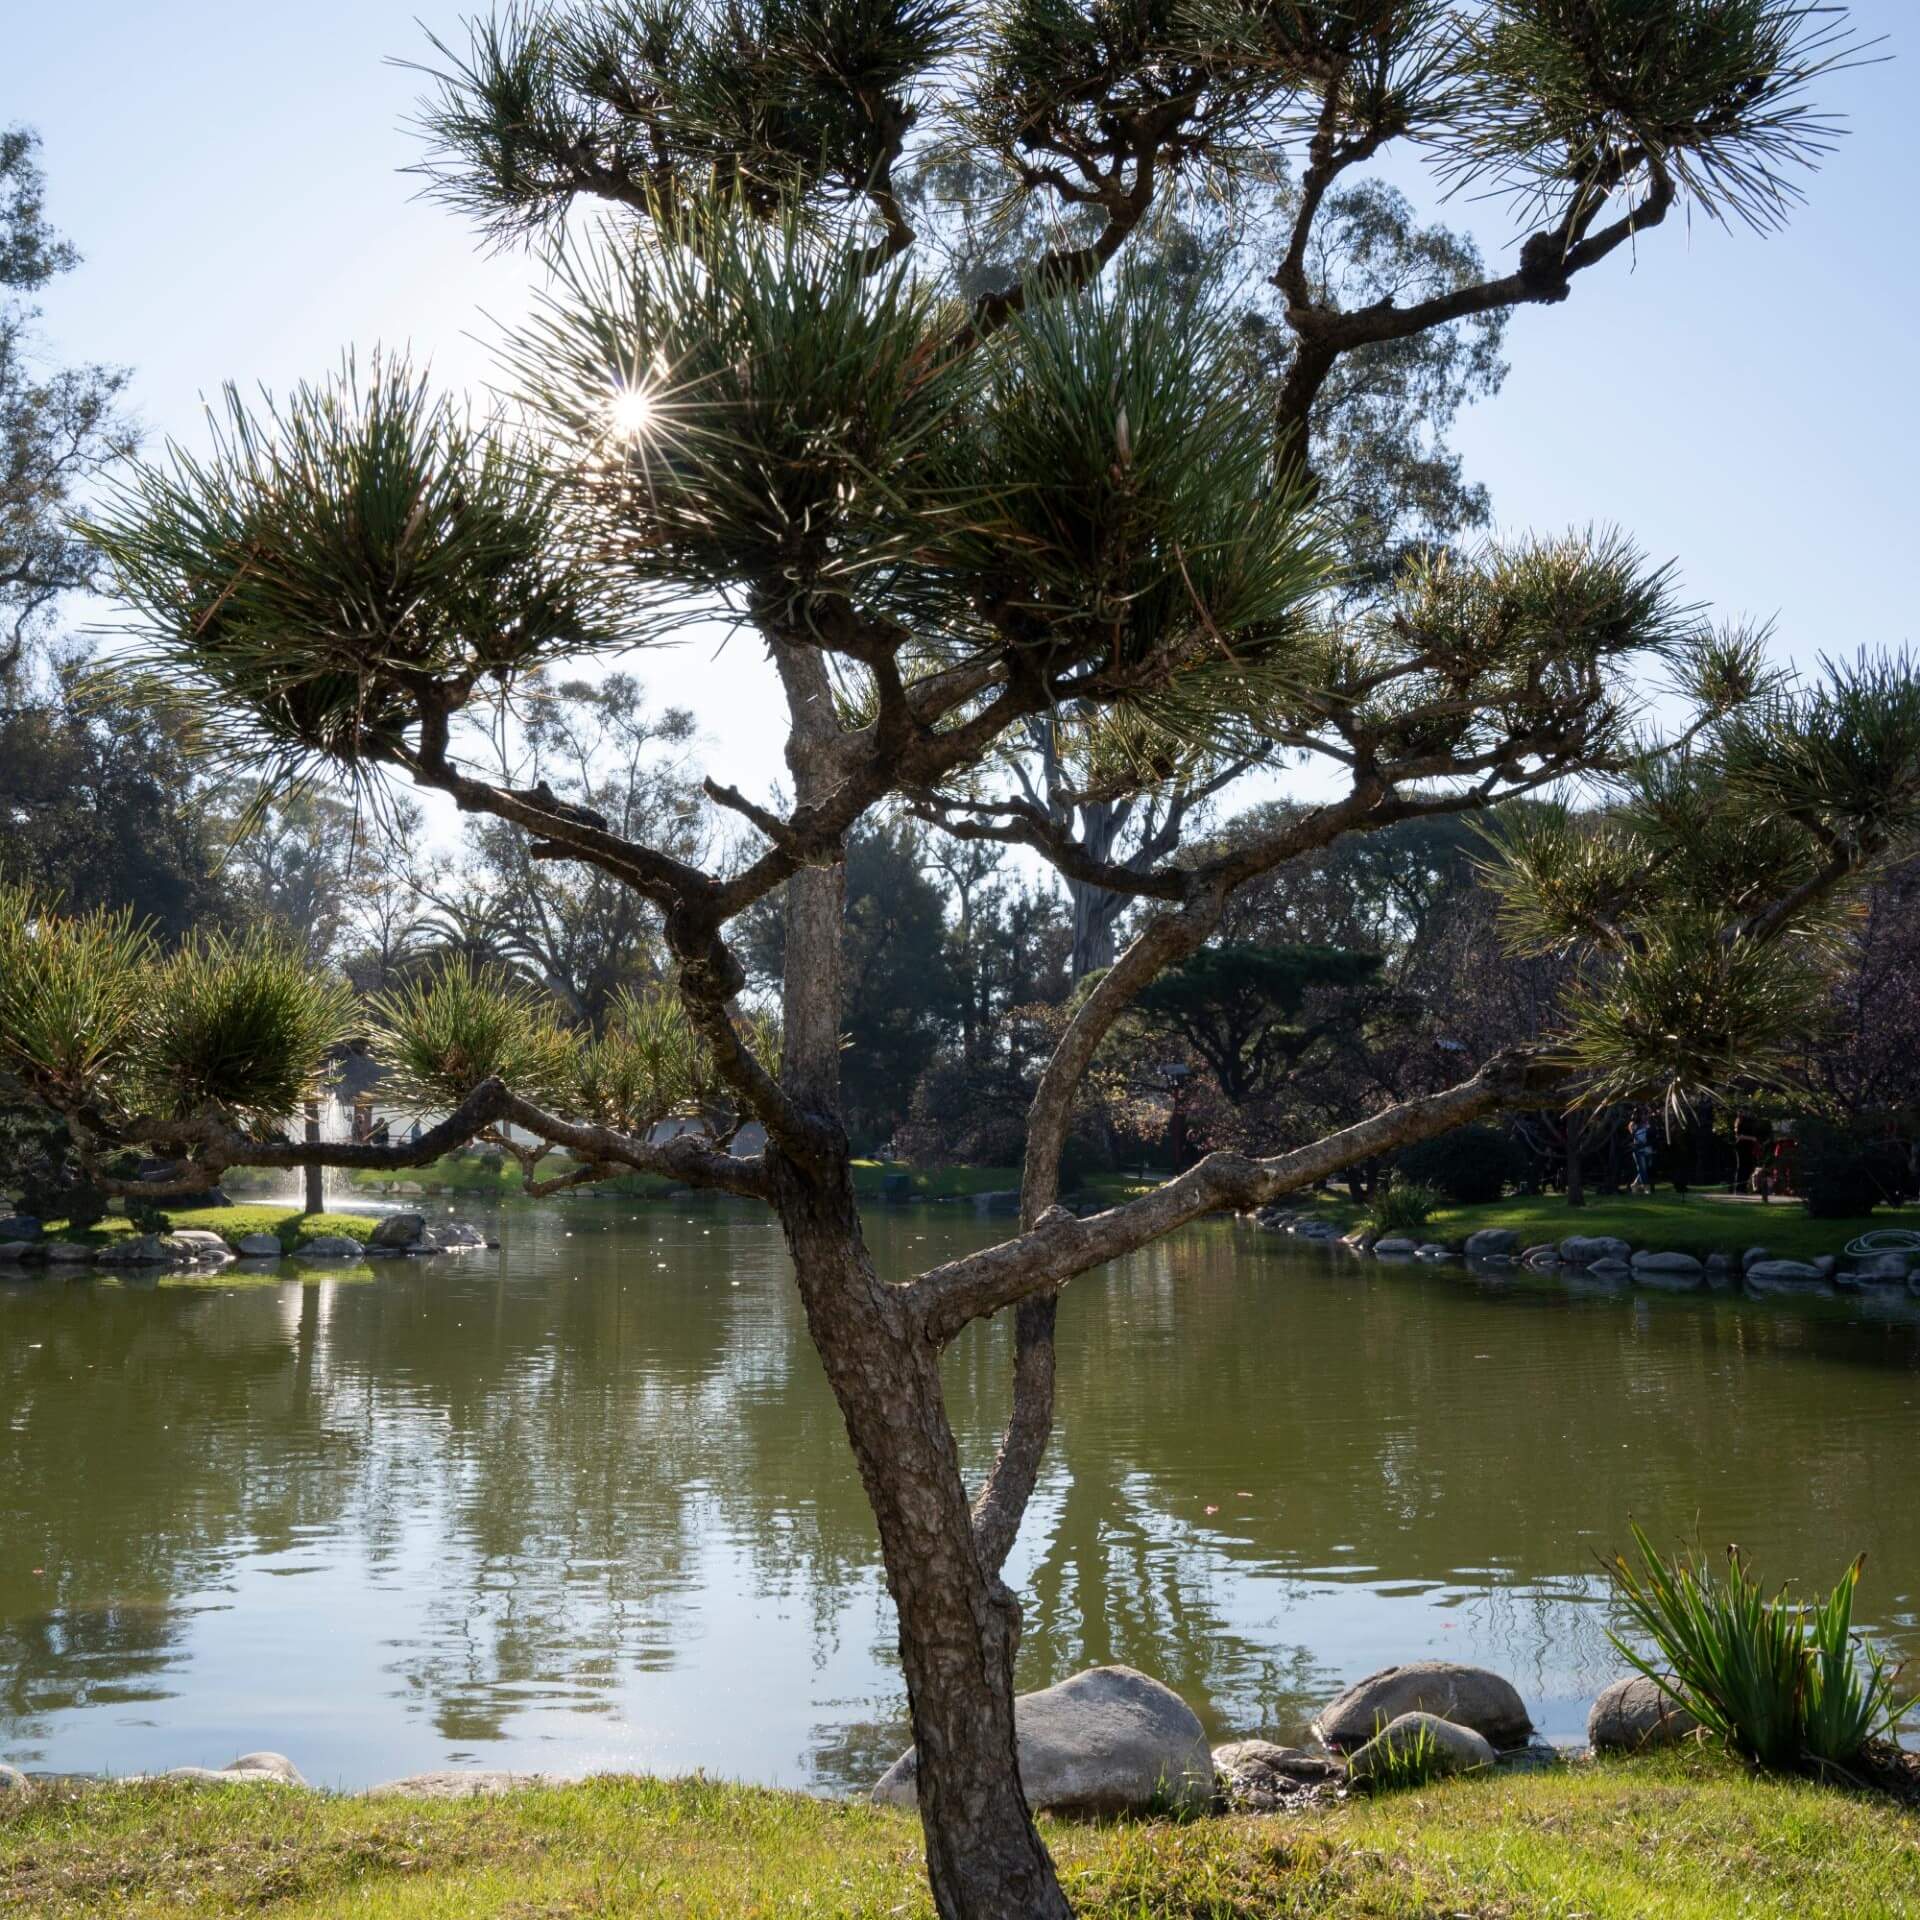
(959, 1625)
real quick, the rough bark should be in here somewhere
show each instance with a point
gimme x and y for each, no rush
(1059, 1246)
(959, 1625)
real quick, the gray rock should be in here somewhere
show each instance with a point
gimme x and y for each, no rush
(1785, 1276)
(1433, 1250)
(1610, 1270)
(1827, 1265)
(1682, 1266)
(1256, 1776)
(1456, 1749)
(274, 1765)
(1492, 1243)
(1469, 1696)
(12, 1780)
(398, 1230)
(1396, 1243)
(454, 1784)
(1752, 1256)
(68, 1252)
(136, 1250)
(1885, 1269)
(455, 1237)
(406, 1187)
(14, 1251)
(1535, 1758)
(1633, 1715)
(331, 1246)
(19, 1226)
(200, 1245)
(1589, 1249)
(250, 1770)
(1109, 1740)
(1541, 1256)
(258, 1246)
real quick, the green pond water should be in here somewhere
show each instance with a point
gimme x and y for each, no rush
(585, 1502)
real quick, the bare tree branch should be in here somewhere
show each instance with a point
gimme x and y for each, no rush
(1059, 1246)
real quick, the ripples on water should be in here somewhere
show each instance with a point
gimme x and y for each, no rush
(586, 1502)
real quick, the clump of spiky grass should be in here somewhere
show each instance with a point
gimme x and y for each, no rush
(1786, 1685)
(1403, 1207)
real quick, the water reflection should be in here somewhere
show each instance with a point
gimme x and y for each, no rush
(586, 1501)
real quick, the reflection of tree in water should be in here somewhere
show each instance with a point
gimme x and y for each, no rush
(151, 1431)
(556, 1457)
(1433, 1435)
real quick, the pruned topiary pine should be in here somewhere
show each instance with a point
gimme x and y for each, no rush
(952, 515)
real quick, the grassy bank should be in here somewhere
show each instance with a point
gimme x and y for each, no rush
(294, 1227)
(1698, 1223)
(1686, 1837)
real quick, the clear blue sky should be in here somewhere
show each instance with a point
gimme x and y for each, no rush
(1746, 405)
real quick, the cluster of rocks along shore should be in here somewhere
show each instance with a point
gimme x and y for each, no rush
(1112, 1740)
(1605, 1257)
(200, 1249)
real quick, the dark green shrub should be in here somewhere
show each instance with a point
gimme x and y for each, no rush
(1403, 1207)
(147, 1218)
(1470, 1165)
(37, 1165)
(1844, 1172)
(1081, 1159)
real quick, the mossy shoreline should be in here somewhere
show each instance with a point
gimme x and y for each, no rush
(1683, 1835)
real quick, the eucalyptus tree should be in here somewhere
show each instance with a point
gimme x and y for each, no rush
(944, 520)
(581, 934)
(58, 426)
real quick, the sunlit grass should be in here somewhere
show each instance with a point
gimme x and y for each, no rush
(293, 1227)
(1673, 1836)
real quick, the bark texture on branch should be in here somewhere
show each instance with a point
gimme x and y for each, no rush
(1060, 1245)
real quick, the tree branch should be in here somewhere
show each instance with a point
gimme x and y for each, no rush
(1059, 1246)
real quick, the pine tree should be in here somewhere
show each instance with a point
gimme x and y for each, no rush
(946, 517)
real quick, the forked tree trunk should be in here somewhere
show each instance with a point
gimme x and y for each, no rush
(959, 1625)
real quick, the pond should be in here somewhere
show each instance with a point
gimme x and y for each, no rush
(585, 1502)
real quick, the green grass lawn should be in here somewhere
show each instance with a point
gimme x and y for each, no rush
(1699, 1223)
(293, 1226)
(1681, 1222)
(1686, 1837)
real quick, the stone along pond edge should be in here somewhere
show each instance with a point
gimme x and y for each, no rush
(1608, 1257)
(1112, 1741)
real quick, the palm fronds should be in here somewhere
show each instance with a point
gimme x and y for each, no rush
(648, 1063)
(74, 994)
(761, 102)
(240, 1028)
(739, 407)
(1568, 102)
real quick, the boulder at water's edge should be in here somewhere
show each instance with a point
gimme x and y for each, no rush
(1468, 1696)
(1109, 1740)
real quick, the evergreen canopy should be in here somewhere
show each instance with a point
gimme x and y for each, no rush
(953, 516)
